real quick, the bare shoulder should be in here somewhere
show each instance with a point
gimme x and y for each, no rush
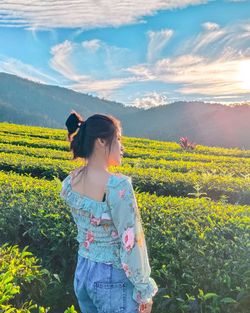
(76, 171)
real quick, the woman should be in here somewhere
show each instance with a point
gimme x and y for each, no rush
(113, 271)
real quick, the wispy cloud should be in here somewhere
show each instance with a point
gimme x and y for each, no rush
(92, 45)
(222, 73)
(83, 14)
(199, 76)
(214, 40)
(91, 66)
(103, 88)
(16, 67)
(157, 42)
(142, 71)
(210, 26)
(195, 73)
(61, 61)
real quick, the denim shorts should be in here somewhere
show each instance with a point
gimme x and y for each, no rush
(102, 288)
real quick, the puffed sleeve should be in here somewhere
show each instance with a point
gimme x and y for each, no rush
(65, 188)
(133, 250)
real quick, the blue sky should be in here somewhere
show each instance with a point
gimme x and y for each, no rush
(143, 53)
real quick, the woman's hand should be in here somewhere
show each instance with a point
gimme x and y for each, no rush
(145, 307)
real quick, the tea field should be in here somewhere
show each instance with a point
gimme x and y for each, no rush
(195, 209)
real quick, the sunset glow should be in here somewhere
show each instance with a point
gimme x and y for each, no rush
(244, 74)
(139, 53)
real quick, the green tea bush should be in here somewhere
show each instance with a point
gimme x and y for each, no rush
(200, 254)
(194, 207)
(198, 248)
(22, 281)
(164, 182)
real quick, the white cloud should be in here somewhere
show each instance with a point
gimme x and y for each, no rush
(16, 67)
(61, 61)
(195, 73)
(142, 71)
(210, 26)
(214, 41)
(215, 63)
(83, 71)
(200, 43)
(103, 88)
(92, 45)
(199, 75)
(157, 41)
(83, 14)
(152, 99)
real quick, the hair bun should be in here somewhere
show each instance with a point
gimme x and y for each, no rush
(73, 122)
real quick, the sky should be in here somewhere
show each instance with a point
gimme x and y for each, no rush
(142, 53)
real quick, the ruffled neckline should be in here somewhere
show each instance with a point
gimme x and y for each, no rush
(81, 202)
(75, 199)
(83, 197)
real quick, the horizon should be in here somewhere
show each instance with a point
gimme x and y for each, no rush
(229, 104)
(144, 54)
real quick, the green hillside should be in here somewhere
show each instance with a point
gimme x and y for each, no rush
(26, 102)
(195, 208)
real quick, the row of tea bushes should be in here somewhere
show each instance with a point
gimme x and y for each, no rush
(144, 152)
(198, 249)
(36, 167)
(34, 142)
(32, 131)
(35, 152)
(227, 166)
(131, 149)
(159, 180)
(223, 169)
(61, 135)
(23, 283)
(236, 189)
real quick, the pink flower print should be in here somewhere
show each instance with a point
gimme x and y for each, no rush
(90, 236)
(126, 269)
(86, 244)
(89, 239)
(122, 193)
(114, 234)
(128, 238)
(94, 220)
(138, 297)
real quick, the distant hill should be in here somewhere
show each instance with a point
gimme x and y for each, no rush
(25, 102)
(208, 124)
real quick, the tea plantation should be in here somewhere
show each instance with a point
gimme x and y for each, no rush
(195, 209)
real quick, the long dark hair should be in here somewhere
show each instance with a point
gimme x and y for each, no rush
(83, 133)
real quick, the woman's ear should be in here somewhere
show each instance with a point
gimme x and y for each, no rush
(101, 141)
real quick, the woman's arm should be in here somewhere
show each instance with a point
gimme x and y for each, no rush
(133, 250)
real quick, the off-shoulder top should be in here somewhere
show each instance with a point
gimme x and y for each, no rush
(111, 231)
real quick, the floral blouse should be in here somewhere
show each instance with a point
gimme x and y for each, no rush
(111, 232)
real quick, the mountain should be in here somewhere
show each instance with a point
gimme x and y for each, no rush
(26, 102)
(210, 124)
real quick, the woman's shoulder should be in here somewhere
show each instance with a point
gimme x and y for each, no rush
(118, 179)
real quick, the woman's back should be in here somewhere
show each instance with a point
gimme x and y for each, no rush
(93, 184)
(111, 231)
